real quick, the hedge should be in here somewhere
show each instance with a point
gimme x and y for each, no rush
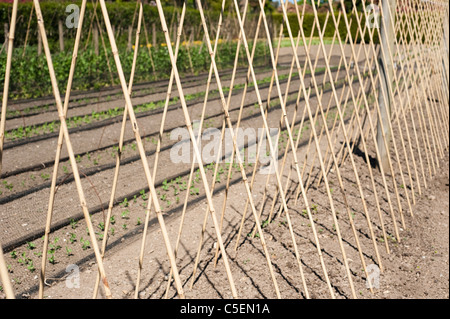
(121, 16)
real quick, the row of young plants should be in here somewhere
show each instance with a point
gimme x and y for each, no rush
(74, 239)
(50, 127)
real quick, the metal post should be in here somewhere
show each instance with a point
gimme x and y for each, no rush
(387, 35)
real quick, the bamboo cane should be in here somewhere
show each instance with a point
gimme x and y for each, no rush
(200, 245)
(141, 149)
(58, 150)
(192, 137)
(28, 30)
(12, 31)
(232, 134)
(4, 277)
(119, 151)
(287, 124)
(158, 150)
(346, 140)
(57, 96)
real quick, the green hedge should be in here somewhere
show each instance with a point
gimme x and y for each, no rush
(308, 22)
(120, 14)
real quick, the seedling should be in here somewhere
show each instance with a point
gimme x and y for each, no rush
(194, 191)
(23, 259)
(65, 170)
(143, 195)
(13, 254)
(31, 245)
(125, 214)
(30, 266)
(9, 186)
(73, 223)
(124, 203)
(73, 238)
(85, 244)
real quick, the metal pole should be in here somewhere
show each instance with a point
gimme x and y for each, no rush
(387, 35)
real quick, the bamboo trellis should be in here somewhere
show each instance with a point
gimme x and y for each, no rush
(417, 126)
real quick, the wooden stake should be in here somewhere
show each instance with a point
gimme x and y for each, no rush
(73, 163)
(4, 277)
(7, 78)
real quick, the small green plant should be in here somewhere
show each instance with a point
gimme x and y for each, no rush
(8, 186)
(125, 214)
(30, 266)
(23, 259)
(124, 203)
(13, 254)
(31, 245)
(85, 244)
(143, 195)
(194, 191)
(72, 238)
(68, 251)
(45, 176)
(73, 223)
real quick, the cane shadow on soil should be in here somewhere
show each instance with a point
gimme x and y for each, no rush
(186, 264)
(369, 203)
(290, 251)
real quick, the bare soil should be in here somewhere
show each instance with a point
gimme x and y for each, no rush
(416, 267)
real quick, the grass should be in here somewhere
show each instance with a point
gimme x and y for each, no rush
(315, 41)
